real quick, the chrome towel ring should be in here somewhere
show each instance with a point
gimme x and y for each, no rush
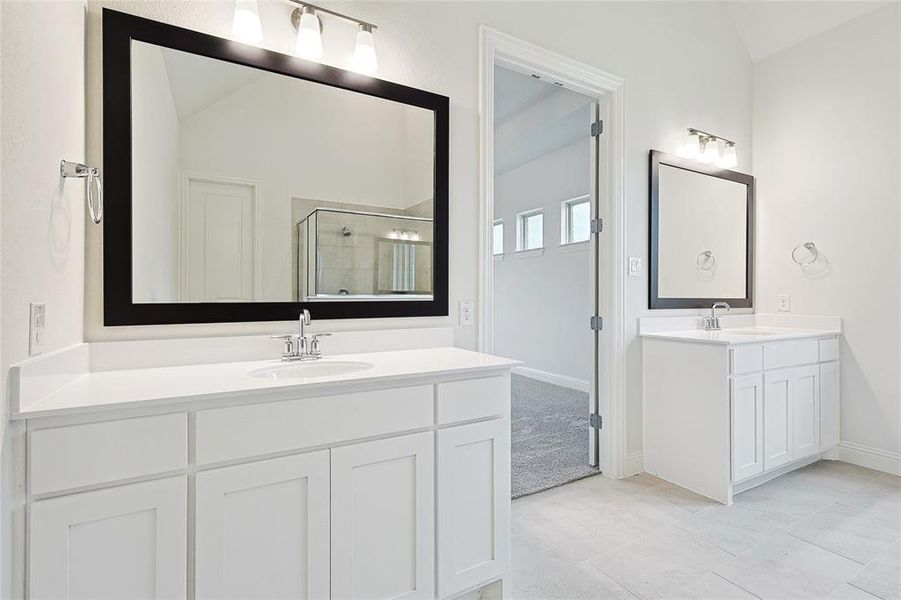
(94, 185)
(706, 260)
(798, 254)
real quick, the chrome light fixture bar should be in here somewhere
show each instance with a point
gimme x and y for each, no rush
(306, 22)
(705, 147)
(247, 27)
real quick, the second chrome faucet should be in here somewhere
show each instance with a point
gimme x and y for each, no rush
(297, 345)
(712, 323)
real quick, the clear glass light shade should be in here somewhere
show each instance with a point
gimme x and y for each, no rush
(692, 145)
(246, 25)
(711, 152)
(309, 36)
(364, 59)
(730, 158)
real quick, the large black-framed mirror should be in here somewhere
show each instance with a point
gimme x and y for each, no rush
(701, 242)
(243, 184)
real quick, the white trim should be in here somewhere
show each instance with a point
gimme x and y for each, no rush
(566, 218)
(634, 463)
(553, 378)
(533, 253)
(500, 48)
(257, 186)
(869, 457)
(583, 246)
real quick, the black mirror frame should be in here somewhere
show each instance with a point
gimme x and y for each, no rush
(654, 301)
(119, 29)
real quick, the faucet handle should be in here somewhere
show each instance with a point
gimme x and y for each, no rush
(288, 339)
(314, 344)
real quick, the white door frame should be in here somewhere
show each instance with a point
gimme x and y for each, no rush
(257, 186)
(497, 48)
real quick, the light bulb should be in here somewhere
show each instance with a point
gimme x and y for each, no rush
(730, 158)
(309, 35)
(711, 153)
(364, 60)
(692, 145)
(246, 25)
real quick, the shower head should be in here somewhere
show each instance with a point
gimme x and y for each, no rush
(345, 231)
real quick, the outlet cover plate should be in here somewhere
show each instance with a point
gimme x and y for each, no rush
(467, 313)
(784, 303)
(634, 266)
(37, 318)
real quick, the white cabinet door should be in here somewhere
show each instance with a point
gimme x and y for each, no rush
(262, 529)
(383, 519)
(830, 433)
(804, 389)
(747, 426)
(124, 542)
(474, 505)
(777, 413)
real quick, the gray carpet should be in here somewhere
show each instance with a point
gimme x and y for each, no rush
(550, 436)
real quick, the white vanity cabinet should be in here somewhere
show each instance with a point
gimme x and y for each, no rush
(721, 417)
(323, 494)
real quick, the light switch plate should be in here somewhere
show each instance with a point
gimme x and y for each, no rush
(785, 303)
(634, 266)
(467, 313)
(37, 316)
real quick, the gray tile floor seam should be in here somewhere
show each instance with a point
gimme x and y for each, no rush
(715, 574)
(788, 532)
(851, 583)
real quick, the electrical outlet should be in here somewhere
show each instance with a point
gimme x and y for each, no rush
(37, 314)
(785, 303)
(467, 313)
(634, 266)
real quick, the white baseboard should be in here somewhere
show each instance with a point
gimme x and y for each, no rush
(554, 378)
(869, 457)
(634, 463)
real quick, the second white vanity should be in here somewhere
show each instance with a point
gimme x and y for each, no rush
(727, 410)
(376, 475)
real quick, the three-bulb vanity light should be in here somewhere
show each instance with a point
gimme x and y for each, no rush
(705, 147)
(247, 27)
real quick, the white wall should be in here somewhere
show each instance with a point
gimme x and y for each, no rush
(542, 303)
(674, 80)
(155, 172)
(826, 157)
(42, 230)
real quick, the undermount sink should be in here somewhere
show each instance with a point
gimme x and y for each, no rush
(751, 332)
(311, 369)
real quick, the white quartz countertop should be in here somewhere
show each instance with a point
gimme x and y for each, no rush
(741, 335)
(174, 384)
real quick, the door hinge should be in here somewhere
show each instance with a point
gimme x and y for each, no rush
(595, 421)
(597, 225)
(597, 128)
(596, 323)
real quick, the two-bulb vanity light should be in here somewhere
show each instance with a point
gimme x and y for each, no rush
(705, 147)
(247, 27)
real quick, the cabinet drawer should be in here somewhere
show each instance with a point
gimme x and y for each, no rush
(747, 359)
(252, 430)
(828, 350)
(791, 353)
(80, 455)
(472, 399)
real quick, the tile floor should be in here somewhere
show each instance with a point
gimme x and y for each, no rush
(830, 530)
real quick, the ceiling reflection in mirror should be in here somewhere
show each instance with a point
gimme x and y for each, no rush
(250, 186)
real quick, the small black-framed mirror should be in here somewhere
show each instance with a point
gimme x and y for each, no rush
(701, 242)
(244, 184)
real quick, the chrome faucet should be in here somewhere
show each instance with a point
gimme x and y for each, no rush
(296, 344)
(712, 323)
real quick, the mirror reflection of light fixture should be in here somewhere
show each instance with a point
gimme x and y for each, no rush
(309, 35)
(306, 20)
(705, 147)
(246, 25)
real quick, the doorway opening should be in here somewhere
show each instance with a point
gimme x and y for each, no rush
(551, 257)
(543, 277)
